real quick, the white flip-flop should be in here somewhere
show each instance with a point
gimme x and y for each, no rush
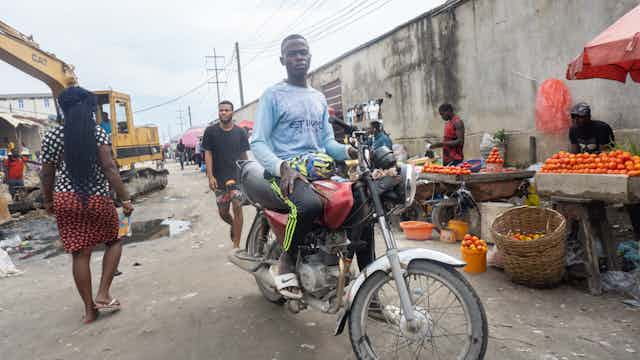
(287, 281)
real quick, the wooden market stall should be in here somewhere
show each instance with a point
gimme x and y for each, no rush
(584, 198)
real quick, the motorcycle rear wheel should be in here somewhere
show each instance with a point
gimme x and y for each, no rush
(261, 243)
(389, 337)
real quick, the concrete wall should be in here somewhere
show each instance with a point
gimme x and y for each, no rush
(487, 57)
(247, 112)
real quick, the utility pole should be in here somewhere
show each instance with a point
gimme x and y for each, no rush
(239, 74)
(180, 120)
(216, 70)
(189, 111)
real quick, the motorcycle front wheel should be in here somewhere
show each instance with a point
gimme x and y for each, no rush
(451, 321)
(261, 243)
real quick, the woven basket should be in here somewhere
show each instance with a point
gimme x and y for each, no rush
(535, 263)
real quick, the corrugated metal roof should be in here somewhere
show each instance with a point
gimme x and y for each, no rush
(16, 121)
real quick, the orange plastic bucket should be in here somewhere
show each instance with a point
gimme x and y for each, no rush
(460, 227)
(417, 230)
(476, 261)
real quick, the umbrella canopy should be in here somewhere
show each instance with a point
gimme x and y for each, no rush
(613, 54)
(246, 124)
(191, 136)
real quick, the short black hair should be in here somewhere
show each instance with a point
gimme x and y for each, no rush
(290, 37)
(445, 108)
(226, 102)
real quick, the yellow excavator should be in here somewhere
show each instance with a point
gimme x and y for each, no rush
(131, 145)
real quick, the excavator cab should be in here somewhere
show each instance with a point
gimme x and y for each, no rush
(130, 144)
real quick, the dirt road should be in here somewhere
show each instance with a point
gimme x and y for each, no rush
(182, 299)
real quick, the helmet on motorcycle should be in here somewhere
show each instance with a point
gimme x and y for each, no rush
(314, 166)
(383, 158)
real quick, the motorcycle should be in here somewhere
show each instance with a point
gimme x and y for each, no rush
(410, 303)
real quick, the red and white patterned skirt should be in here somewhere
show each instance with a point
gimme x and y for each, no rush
(85, 224)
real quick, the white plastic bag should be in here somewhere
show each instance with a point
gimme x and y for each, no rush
(6, 265)
(486, 145)
(627, 283)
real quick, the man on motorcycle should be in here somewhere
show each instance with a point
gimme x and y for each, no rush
(292, 125)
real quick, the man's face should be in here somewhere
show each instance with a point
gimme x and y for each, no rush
(580, 121)
(446, 115)
(296, 57)
(225, 113)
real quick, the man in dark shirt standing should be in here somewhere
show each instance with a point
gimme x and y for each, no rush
(587, 135)
(225, 143)
(180, 154)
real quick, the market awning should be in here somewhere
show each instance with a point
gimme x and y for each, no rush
(17, 120)
(612, 55)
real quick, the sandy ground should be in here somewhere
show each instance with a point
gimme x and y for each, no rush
(184, 300)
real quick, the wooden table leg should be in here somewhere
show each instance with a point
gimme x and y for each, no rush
(598, 215)
(591, 252)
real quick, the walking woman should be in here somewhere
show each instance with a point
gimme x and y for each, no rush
(77, 170)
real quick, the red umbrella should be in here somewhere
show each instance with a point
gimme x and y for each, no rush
(613, 54)
(246, 124)
(191, 136)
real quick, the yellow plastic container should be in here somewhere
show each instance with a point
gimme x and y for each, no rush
(476, 261)
(460, 227)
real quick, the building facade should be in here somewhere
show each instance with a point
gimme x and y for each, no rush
(488, 58)
(39, 105)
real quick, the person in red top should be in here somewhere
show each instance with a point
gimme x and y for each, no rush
(453, 142)
(14, 171)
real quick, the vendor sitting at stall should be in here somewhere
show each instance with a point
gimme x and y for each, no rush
(453, 141)
(588, 135)
(380, 137)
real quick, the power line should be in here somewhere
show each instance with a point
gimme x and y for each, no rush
(337, 16)
(205, 82)
(293, 24)
(269, 18)
(321, 35)
(357, 6)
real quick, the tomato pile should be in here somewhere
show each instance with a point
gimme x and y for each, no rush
(494, 157)
(473, 243)
(613, 162)
(446, 170)
(527, 236)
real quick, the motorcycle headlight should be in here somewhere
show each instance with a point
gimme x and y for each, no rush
(409, 183)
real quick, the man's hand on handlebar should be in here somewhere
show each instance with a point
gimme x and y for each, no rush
(353, 152)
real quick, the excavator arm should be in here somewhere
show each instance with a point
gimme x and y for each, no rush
(22, 52)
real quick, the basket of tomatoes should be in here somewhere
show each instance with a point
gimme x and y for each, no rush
(532, 242)
(474, 253)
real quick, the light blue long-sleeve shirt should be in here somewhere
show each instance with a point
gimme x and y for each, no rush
(292, 121)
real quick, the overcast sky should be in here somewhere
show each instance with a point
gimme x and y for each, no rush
(155, 50)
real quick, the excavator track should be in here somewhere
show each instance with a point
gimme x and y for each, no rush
(143, 181)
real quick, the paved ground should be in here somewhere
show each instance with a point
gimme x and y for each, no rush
(185, 301)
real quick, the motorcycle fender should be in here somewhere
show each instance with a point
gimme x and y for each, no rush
(382, 264)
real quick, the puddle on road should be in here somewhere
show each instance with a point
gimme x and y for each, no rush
(37, 237)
